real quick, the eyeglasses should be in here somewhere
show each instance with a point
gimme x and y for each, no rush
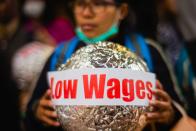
(96, 6)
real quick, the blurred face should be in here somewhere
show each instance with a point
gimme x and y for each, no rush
(95, 17)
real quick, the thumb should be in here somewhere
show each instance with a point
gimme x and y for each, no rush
(47, 94)
(159, 85)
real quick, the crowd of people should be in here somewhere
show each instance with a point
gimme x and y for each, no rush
(34, 33)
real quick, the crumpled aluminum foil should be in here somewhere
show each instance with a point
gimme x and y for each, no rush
(102, 118)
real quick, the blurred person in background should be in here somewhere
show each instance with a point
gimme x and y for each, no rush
(14, 40)
(48, 20)
(12, 33)
(163, 27)
(12, 37)
(92, 25)
(47, 24)
(173, 43)
(187, 23)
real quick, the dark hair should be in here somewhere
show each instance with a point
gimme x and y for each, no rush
(146, 17)
(127, 25)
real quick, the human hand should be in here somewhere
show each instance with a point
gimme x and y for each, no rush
(163, 111)
(45, 111)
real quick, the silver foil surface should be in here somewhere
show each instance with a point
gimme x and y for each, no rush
(102, 118)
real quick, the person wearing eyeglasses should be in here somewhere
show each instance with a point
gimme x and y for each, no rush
(106, 20)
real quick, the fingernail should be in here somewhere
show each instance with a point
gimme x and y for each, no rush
(57, 124)
(149, 115)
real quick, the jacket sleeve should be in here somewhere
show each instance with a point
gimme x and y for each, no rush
(164, 72)
(165, 75)
(31, 123)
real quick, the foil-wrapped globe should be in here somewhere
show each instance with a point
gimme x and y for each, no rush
(102, 118)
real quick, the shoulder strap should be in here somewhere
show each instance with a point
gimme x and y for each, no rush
(139, 46)
(62, 53)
